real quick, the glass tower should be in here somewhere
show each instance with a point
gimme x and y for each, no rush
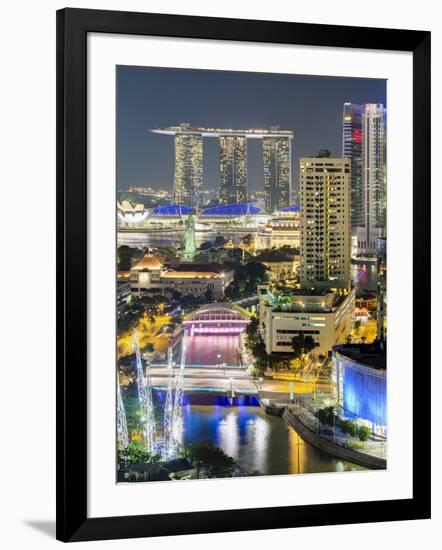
(233, 168)
(277, 172)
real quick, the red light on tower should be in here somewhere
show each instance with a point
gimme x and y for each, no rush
(357, 136)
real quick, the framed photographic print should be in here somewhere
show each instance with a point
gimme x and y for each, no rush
(243, 225)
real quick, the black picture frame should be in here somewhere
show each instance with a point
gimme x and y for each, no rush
(73, 25)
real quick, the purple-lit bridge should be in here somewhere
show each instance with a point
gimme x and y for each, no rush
(213, 334)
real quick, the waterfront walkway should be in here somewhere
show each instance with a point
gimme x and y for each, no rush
(305, 411)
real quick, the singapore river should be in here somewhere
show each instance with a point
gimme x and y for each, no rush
(212, 350)
(260, 443)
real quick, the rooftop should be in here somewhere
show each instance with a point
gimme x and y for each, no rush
(294, 300)
(374, 355)
(257, 133)
(191, 275)
(123, 275)
(148, 262)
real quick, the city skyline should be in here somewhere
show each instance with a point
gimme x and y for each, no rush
(309, 106)
(239, 324)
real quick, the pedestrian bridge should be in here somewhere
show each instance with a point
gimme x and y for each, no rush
(217, 318)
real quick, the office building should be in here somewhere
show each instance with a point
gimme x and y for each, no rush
(286, 312)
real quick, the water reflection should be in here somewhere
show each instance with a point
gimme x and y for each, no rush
(261, 443)
(173, 238)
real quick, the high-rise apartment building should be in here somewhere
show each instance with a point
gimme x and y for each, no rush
(374, 168)
(188, 168)
(277, 171)
(364, 143)
(233, 168)
(352, 149)
(325, 221)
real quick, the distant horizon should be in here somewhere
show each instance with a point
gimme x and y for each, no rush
(150, 97)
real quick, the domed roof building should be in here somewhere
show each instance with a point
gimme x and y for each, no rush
(172, 210)
(231, 210)
(293, 208)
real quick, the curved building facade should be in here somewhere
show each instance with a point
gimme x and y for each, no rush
(359, 372)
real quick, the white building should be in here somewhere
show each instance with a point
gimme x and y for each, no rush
(374, 167)
(279, 231)
(197, 283)
(325, 222)
(324, 315)
(151, 273)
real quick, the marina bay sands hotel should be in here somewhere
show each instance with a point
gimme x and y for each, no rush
(188, 179)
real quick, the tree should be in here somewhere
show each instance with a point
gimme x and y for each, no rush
(212, 460)
(301, 345)
(252, 329)
(348, 427)
(326, 416)
(364, 433)
(136, 453)
(127, 256)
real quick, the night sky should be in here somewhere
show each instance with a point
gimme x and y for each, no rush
(148, 97)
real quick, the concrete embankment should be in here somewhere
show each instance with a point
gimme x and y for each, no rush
(345, 453)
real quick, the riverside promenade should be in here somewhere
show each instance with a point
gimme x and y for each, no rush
(302, 418)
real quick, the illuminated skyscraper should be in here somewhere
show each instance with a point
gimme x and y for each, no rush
(233, 163)
(277, 171)
(188, 167)
(352, 149)
(374, 169)
(325, 221)
(233, 168)
(364, 143)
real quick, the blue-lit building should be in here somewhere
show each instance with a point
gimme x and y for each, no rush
(292, 209)
(172, 210)
(360, 377)
(231, 210)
